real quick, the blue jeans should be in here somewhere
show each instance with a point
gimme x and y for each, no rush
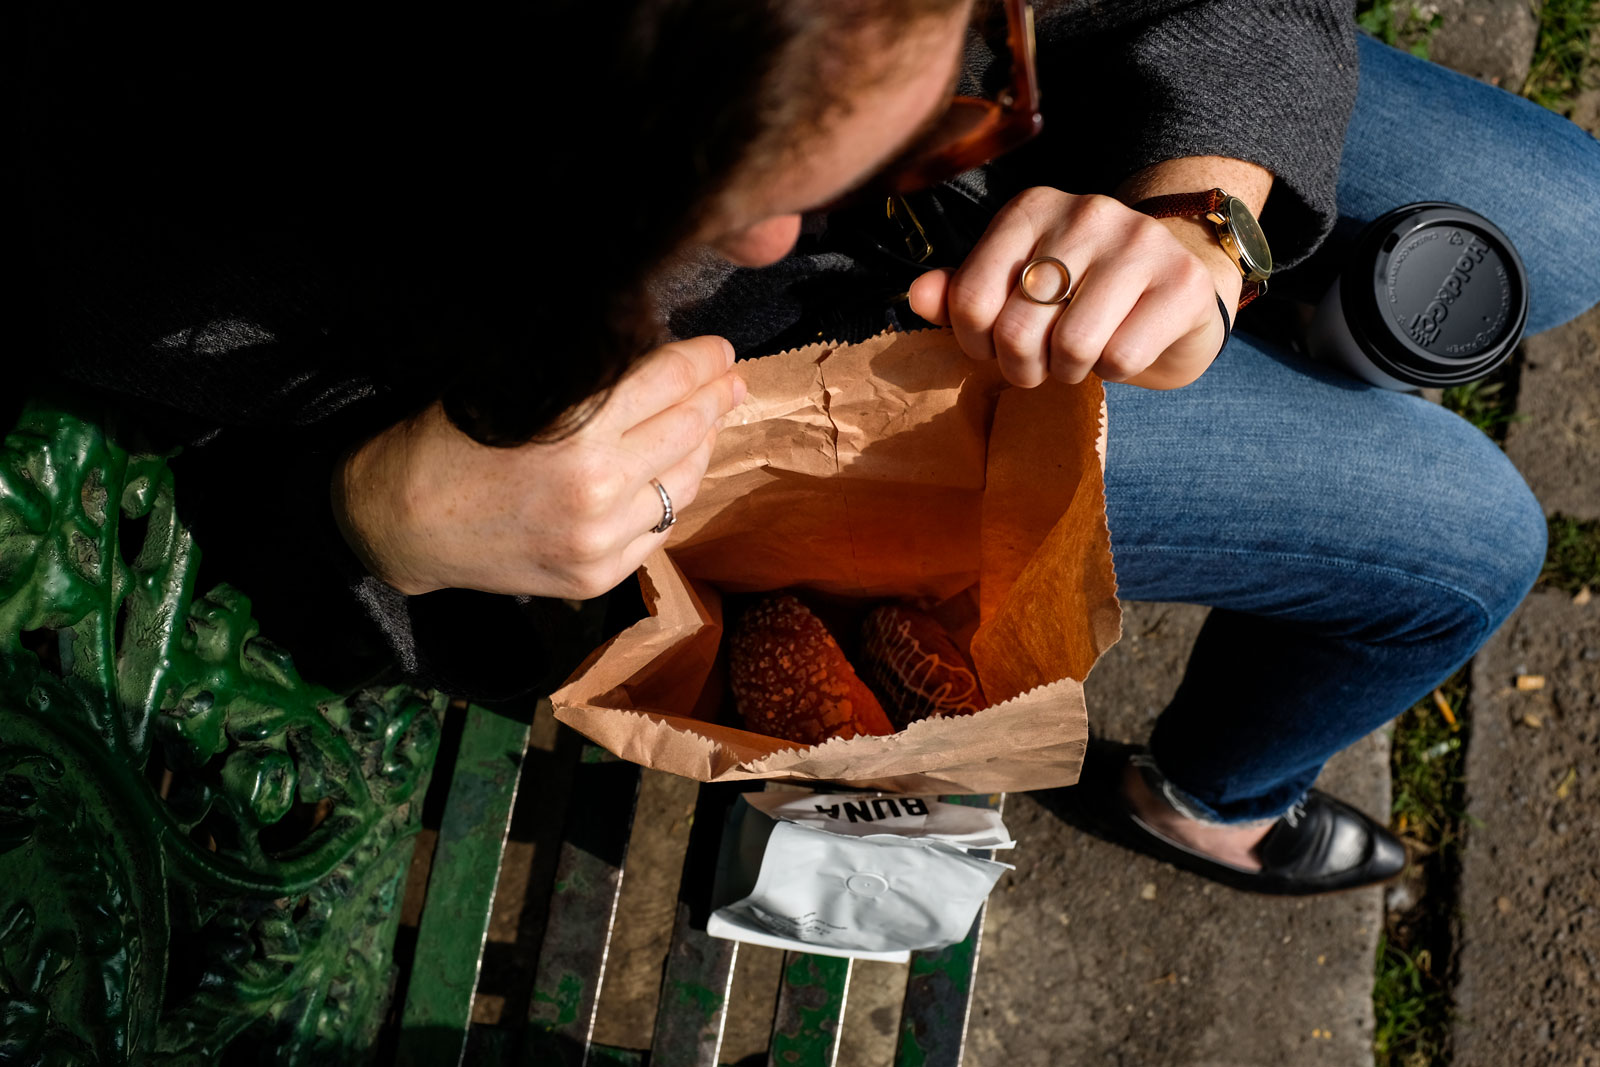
(1356, 545)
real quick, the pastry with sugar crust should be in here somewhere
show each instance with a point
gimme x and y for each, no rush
(790, 679)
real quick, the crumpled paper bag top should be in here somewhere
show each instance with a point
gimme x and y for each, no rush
(893, 469)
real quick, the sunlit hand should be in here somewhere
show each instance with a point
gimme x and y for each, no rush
(429, 508)
(1143, 305)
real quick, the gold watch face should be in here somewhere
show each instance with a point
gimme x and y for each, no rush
(1249, 243)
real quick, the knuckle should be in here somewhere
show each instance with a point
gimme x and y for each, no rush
(594, 489)
(1074, 346)
(678, 372)
(690, 424)
(973, 303)
(685, 495)
(1013, 337)
(586, 544)
(702, 416)
(1122, 361)
(1099, 209)
(1194, 274)
(1037, 200)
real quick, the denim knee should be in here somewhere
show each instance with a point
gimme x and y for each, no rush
(1521, 547)
(1450, 533)
(1506, 527)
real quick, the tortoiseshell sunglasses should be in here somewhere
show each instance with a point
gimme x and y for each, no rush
(973, 130)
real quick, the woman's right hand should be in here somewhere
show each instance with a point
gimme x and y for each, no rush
(427, 508)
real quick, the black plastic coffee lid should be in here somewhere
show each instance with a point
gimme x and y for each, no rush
(1435, 294)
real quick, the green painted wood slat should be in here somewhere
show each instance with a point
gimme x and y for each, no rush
(699, 972)
(810, 1013)
(566, 989)
(938, 1001)
(461, 884)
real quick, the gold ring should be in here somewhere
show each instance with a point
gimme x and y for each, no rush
(1063, 294)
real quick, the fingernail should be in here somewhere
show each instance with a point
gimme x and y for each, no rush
(740, 390)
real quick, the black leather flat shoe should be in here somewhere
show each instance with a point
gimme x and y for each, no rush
(1320, 846)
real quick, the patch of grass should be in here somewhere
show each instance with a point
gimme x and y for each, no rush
(1411, 1005)
(1566, 55)
(1426, 771)
(1573, 559)
(1566, 60)
(1411, 997)
(1485, 403)
(1404, 25)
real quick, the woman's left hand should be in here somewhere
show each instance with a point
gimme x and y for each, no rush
(1143, 307)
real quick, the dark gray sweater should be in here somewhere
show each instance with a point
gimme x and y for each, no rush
(1268, 81)
(266, 360)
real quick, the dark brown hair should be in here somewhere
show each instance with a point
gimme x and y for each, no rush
(641, 118)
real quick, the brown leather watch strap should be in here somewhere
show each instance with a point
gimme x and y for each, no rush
(1172, 205)
(1193, 205)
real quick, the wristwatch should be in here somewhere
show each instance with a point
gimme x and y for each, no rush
(1237, 230)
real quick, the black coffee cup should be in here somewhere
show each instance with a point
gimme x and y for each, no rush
(1433, 294)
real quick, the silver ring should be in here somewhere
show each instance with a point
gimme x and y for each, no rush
(668, 516)
(1039, 261)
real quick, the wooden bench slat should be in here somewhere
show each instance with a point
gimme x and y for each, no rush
(694, 997)
(933, 1017)
(583, 904)
(699, 973)
(810, 1015)
(461, 884)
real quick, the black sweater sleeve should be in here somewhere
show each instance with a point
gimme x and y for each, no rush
(1271, 82)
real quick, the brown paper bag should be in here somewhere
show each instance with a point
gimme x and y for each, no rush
(897, 468)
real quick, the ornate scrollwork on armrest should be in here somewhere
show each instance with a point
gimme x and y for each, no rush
(196, 844)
